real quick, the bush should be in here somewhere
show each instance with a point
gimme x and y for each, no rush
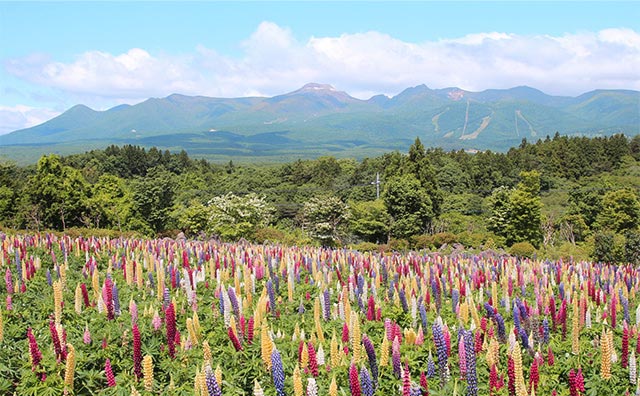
(398, 244)
(365, 247)
(522, 249)
(269, 234)
(441, 238)
(424, 241)
(608, 247)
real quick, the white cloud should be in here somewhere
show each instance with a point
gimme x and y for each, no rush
(363, 64)
(20, 116)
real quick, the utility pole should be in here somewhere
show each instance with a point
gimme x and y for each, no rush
(377, 183)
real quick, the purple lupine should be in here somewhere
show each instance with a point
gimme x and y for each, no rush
(502, 332)
(455, 299)
(212, 385)
(490, 311)
(277, 372)
(462, 358)
(49, 280)
(441, 349)
(545, 331)
(116, 300)
(395, 357)
(423, 315)
(366, 384)
(470, 355)
(8, 281)
(524, 338)
(431, 367)
(272, 297)
(435, 291)
(166, 298)
(327, 304)
(234, 302)
(403, 300)
(371, 354)
(107, 295)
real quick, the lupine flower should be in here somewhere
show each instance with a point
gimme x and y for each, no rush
(624, 360)
(116, 300)
(137, 351)
(36, 355)
(470, 356)
(406, 381)
(170, 320)
(395, 358)
(212, 384)
(333, 387)
(462, 361)
(55, 337)
(633, 368)
(431, 366)
(312, 387)
(511, 375)
(107, 296)
(133, 310)
(521, 389)
(605, 356)
(534, 375)
(108, 372)
(277, 372)
(550, 357)
(297, 382)
(495, 384)
(313, 361)
(70, 366)
(257, 389)
(371, 355)
(354, 382)
(366, 383)
(502, 332)
(424, 384)
(576, 384)
(234, 339)
(86, 337)
(147, 369)
(441, 349)
(545, 331)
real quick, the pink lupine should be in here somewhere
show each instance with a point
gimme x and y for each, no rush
(108, 372)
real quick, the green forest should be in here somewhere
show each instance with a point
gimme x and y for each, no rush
(561, 197)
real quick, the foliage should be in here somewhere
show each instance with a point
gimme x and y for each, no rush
(325, 219)
(232, 217)
(369, 220)
(522, 249)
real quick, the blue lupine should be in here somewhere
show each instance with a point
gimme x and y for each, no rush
(489, 309)
(625, 307)
(277, 372)
(431, 367)
(435, 290)
(502, 331)
(516, 316)
(212, 385)
(371, 354)
(276, 283)
(234, 302)
(524, 338)
(366, 384)
(403, 300)
(272, 296)
(470, 356)
(423, 315)
(545, 331)
(441, 350)
(561, 290)
(327, 305)
(49, 281)
(152, 281)
(221, 303)
(116, 299)
(455, 299)
(301, 308)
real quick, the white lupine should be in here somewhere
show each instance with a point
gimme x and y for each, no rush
(320, 356)
(341, 312)
(638, 315)
(312, 387)
(633, 364)
(414, 309)
(587, 319)
(257, 389)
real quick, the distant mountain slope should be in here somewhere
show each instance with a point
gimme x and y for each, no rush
(317, 119)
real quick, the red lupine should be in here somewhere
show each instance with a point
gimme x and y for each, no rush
(234, 339)
(534, 375)
(137, 351)
(85, 295)
(36, 355)
(170, 319)
(108, 372)
(60, 353)
(624, 359)
(406, 381)
(511, 374)
(354, 381)
(424, 384)
(550, 357)
(107, 293)
(495, 383)
(613, 312)
(250, 331)
(313, 360)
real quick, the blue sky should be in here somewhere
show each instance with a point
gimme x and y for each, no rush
(54, 55)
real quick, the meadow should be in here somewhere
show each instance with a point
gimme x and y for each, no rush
(91, 316)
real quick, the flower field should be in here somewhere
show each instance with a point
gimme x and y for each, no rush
(92, 316)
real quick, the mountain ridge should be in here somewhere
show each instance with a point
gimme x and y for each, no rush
(323, 117)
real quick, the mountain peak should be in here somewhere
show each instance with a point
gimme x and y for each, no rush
(317, 87)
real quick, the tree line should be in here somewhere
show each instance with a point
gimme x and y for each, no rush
(562, 195)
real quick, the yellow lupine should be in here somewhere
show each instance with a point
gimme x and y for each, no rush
(356, 336)
(218, 374)
(196, 324)
(206, 351)
(521, 388)
(192, 332)
(266, 345)
(297, 382)
(575, 328)
(493, 356)
(304, 356)
(257, 389)
(200, 384)
(57, 300)
(147, 371)
(605, 356)
(70, 367)
(384, 352)
(134, 392)
(334, 352)
(78, 299)
(333, 388)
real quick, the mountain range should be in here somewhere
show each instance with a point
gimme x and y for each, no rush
(319, 120)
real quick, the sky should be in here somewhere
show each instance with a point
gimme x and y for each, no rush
(54, 55)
